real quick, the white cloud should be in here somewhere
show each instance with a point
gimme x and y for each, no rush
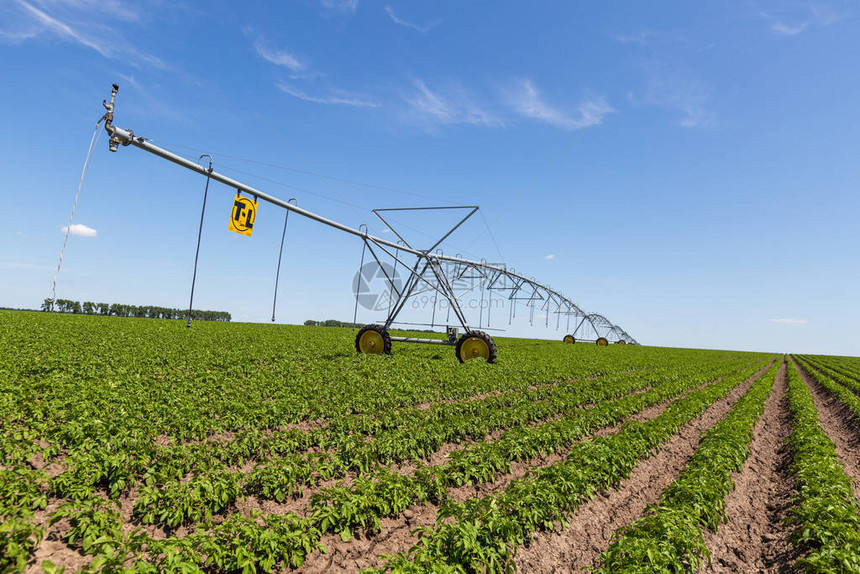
(455, 106)
(527, 101)
(80, 229)
(336, 99)
(340, 5)
(76, 21)
(278, 57)
(62, 29)
(640, 39)
(819, 16)
(784, 29)
(673, 87)
(550, 256)
(790, 321)
(405, 23)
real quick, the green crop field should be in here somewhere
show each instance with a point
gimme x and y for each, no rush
(139, 445)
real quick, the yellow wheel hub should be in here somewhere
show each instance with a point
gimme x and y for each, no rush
(568, 339)
(371, 342)
(473, 348)
(602, 342)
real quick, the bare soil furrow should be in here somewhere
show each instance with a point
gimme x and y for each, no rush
(840, 425)
(592, 527)
(362, 552)
(396, 533)
(754, 537)
(519, 469)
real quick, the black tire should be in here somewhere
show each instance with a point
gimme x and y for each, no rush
(386, 339)
(569, 339)
(491, 345)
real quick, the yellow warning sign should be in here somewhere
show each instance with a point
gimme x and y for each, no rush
(243, 214)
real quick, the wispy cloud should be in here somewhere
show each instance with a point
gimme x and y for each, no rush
(790, 321)
(676, 88)
(343, 6)
(527, 101)
(784, 29)
(550, 257)
(640, 39)
(454, 105)
(76, 21)
(332, 99)
(816, 16)
(417, 27)
(15, 265)
(278, 56)
(80, 229)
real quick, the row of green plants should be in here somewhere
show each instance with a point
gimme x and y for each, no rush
(181, 501)
(834, 387)
(22, 493)
(483, 534)
(346, 509)
(96, 527)
(145, 406)
(824, 512)
(338, 451)
(280, 478)
(848, 366)
(669, 537)
(839, 375)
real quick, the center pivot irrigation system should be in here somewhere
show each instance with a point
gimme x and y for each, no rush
(429, 271)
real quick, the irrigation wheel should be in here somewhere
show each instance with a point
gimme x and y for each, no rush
(374, 340)
(621, 342)
(569, 339)
(476, 345)
(602, 342)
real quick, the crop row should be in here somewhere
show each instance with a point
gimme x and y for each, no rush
(336, 452)
(156, 411)
(238, 542)
(842, 394)
(838, 375)
(669, 536)
(342, 509)
(482, 534)
(284, 476)
(848, 366)
(360, 506)
(824, 511)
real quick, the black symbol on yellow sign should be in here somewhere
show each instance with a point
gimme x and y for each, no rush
(242, 216)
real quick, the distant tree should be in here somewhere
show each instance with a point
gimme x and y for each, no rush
(89, 307)
(48, 305)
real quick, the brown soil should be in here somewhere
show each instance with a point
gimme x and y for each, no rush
(52, 546)
(59, 553)
(593, 526)
(754, 538)
(394, 536)
(396, 533)
(841, 426)
(519, 469)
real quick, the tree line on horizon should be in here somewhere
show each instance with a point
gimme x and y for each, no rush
(123, 310)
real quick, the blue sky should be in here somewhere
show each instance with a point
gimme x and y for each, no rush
(687, 169)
